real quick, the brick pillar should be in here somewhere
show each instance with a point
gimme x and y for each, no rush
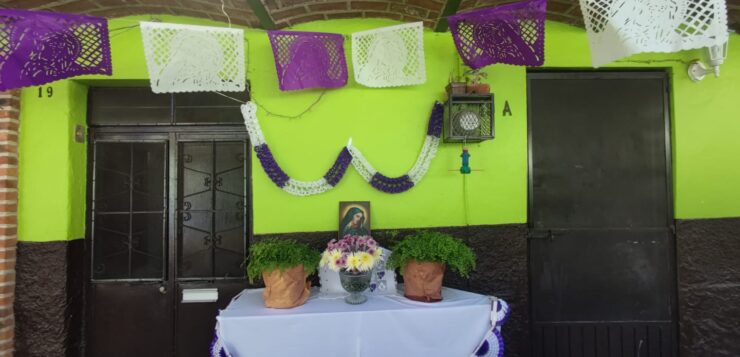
(9, 123)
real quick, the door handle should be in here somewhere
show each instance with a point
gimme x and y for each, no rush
(162, 289)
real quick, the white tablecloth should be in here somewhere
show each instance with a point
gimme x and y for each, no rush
(384, 326)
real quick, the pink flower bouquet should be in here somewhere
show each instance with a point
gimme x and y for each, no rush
(354, 254)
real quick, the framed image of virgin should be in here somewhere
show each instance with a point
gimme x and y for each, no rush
(354, 218)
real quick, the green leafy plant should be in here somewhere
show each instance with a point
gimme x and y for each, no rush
(429, 246)
(475, 76)
(274, 253)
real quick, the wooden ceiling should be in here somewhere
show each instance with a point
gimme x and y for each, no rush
(272, 14)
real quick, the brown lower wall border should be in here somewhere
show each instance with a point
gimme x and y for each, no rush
(49, 289)
(49, 298)
(708, 256)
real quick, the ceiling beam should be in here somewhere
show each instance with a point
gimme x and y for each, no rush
(262, 15)
(451, 7)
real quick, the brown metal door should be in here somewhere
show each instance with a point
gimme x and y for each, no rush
(601, 247)
(145, 255)
(167, 212)
(129, 298)
(212, 226)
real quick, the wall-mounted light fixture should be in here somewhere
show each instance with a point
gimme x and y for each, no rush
(716, 56)
(468, 118)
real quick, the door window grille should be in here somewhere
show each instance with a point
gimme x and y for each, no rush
(139, 106)
(212, 209)
(129, 210)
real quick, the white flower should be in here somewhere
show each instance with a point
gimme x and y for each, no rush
(354, 262)
(378, 252)
(324, 259)
(366, 261)
(334, 256)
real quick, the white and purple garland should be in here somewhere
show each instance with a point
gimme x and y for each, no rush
(404, 182)
(347, 155)
(276, 174)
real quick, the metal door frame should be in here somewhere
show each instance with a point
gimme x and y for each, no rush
(171, 136)
(557, 74)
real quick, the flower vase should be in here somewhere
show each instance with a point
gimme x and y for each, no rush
(355, 284)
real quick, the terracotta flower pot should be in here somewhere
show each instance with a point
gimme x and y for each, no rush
(480, 88)
(423, 280)
(286, 289)
(456, 88)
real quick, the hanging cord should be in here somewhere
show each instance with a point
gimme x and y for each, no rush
(269, 112)
(115, 31)
(296, 116)
(223, 9)
(248, 50)
(654, 61)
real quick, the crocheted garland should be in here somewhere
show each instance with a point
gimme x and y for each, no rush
(404, 182)
(347, 155)
(276, 174)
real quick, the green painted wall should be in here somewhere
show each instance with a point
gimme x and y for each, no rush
(388, 125)
(52, 166)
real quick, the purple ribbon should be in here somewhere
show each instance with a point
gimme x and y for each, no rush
(336, 172)
(435, 120)
(391, 184)
(271, 167)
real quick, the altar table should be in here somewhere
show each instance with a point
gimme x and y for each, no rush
(462, 324)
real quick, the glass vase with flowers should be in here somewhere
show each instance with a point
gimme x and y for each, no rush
(354, 257)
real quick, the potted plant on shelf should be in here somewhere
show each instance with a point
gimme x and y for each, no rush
(284, 265)
(423, 257)
(455, 86)
(354, 257)
(474, 85)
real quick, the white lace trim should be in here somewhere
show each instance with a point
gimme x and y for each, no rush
(389, 56)
(187, 58)
(417, 172)
(620, 28)
(249, 112)
(307, 188)
(361, 164)
(428, 151)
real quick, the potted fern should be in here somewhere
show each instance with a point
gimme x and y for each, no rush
(423, 258)
(475, 84)
(284, 265)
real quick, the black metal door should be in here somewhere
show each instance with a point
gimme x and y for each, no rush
(601, 244)
(144, 255)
